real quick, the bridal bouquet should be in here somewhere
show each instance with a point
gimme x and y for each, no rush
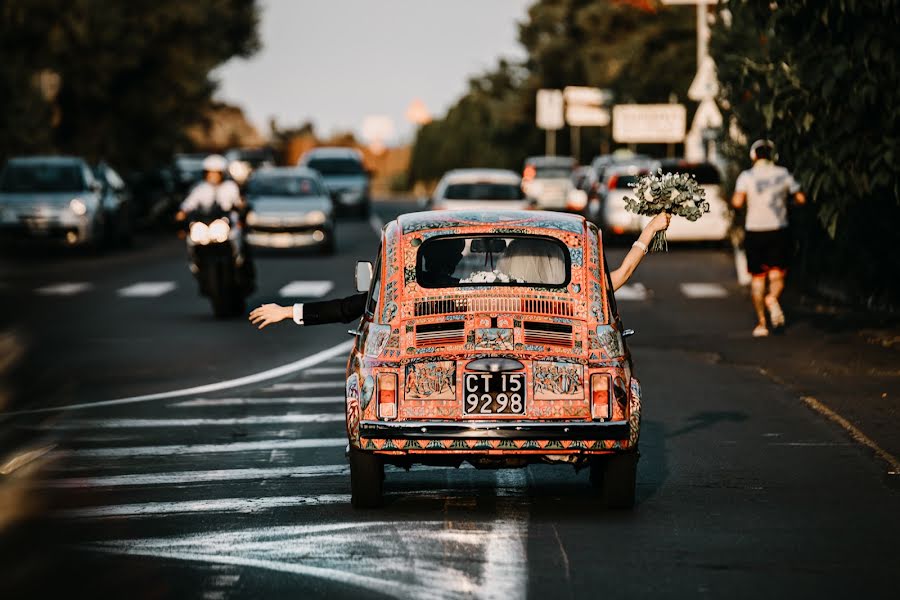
(674, 193)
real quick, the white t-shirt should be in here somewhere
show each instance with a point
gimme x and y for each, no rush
(767, 187)
(204, 195)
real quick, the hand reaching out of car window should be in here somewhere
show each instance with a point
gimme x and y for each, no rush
(267, 314)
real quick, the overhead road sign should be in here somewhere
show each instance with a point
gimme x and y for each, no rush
(587, 116)
(550, 109)
(587, 96)
(649, 123)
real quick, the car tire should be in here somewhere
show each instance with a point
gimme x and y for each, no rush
(619, 474)
(366, 479)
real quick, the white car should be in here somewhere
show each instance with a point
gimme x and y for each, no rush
(615, 186)
(547, 180)
(714, 225)
(479, 189)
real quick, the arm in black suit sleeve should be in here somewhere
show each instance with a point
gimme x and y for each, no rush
(336, 310)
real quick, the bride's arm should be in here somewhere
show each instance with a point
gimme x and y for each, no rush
(621, 275)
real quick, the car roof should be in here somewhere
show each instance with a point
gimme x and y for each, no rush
(46, 160)
(459, 220)
(279, 171)
(476, 175)
(332, 152)
(631, 168)
(550, 161)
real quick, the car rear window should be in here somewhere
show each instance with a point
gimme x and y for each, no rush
(488, 260)
(42, 178)
(706, 174)
(484, 191)
(282, 185)
(552, 172)
(336, 166)
(625, 182)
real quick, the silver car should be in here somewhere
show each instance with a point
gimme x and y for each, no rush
(289, 208)
(52, 198)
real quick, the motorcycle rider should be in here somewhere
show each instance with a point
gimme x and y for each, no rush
(216, 192)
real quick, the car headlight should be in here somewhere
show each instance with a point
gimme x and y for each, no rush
(218, 230)
(252, 218)
(199, 233)
(315, 217)
(78, 207)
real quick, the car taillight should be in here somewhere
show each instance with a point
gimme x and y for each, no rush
(600, 396)
(387, 396)
(613, 180)
(529, 173)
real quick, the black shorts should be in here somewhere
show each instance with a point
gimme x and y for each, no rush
(767, 250)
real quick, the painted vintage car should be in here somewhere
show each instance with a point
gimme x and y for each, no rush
(492, 338)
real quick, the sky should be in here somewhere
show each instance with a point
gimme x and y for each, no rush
(334, 62)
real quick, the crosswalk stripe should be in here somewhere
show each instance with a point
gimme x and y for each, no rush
(704, 290)
(147, 289)
(632, 291)
(217, 475)
(240, 505)
(306, 385)
(294, 418)
(64, 289)
(258, 401)
(306, 289)
(325, 371)
(177, 449)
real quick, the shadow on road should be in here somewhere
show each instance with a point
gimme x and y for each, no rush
(707, 419)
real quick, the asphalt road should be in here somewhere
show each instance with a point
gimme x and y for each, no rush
(243, 492)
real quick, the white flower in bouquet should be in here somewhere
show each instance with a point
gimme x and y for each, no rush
(674, 193)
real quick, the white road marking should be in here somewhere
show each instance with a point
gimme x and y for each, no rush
(298, 365)
(147, 289)
(258, 401)
(504, 574)
(326, 371)
(178, 477)
(306, 289)
(241, 505)
(178, 449)
(632, 291)
(307, 385)
(64, 289)
(704, 290)
(294, 418)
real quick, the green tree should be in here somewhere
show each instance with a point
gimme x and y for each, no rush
(131, 75)
(822, 79)
(639, 49)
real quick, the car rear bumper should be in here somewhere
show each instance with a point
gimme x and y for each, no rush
(493, 430)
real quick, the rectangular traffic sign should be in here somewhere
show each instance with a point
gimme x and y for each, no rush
(649, 123)
(587, 116)
(550, 109)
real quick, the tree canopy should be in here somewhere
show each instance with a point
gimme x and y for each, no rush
(114, 80)
(822, 79)
(638, 49)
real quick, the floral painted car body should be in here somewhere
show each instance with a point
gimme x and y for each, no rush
(492, 338)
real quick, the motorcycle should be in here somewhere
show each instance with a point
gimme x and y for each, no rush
(219, 261)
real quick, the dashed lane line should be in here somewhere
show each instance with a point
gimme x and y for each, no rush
(306, 289)
(326, 371)
(147, 289)
(631, 292)
(306, 385)
(704, 290)
(283, 370)
(64, 289)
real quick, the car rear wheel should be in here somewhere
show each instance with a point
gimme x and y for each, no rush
(366, 479)
(615, 476)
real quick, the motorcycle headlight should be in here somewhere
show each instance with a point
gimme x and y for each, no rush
(199, 233)
(315, 217)
(78, 207)
(218, 230)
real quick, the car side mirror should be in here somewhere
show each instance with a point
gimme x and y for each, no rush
(628, 333)
(363, 276)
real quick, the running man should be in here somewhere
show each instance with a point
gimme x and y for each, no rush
(765, 189)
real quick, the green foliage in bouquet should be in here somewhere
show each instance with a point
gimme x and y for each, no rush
(674, 193)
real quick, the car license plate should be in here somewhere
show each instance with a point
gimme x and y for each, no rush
(494, 394)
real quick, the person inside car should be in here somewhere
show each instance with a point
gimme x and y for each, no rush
(350, 308)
